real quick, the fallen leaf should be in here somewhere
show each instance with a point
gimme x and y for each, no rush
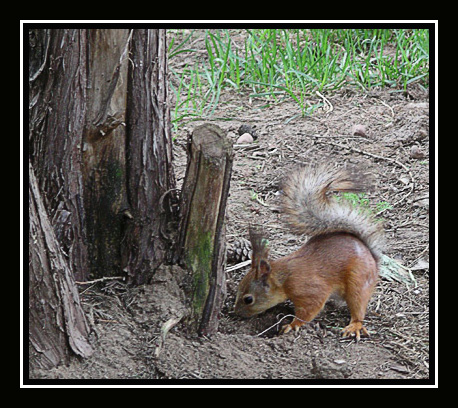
(400, 369)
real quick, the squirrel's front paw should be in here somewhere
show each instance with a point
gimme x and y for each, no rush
(287, 328)
(355, 329)
(294, 325)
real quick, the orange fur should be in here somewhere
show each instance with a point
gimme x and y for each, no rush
(333, 263)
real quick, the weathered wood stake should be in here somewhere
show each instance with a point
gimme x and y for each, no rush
(202, 229)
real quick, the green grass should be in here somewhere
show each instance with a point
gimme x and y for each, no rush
(363, 204)
(278, 64)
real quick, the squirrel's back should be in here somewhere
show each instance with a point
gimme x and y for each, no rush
(311, 210)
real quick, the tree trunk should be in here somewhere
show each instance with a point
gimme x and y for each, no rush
(150, 180)
(56, 319)
(111, 196)
(57, 110)
(108, 190)
(104, 149)
(202, 231)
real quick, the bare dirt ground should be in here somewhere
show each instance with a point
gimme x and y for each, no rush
(127, 322)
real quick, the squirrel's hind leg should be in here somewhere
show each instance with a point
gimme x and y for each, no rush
(357, 295)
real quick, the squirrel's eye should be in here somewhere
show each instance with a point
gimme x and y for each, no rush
(248, 299)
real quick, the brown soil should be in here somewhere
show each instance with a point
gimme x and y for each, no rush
(126, 322)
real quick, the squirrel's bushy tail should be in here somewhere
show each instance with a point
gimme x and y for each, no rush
(311, 210)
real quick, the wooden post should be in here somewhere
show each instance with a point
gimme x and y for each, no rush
(202, 229)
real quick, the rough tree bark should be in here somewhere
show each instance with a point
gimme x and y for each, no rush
(150, 180)
(56, 319)
(57, 110)
(202, 229)
(104, 148)
(110, 212)
(57, 246)
(108, 197)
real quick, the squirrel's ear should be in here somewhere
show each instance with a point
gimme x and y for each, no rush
(263, 270)
(264, 266)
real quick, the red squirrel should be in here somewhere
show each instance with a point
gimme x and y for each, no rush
(342, 255)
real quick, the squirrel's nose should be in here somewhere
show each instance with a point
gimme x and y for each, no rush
(241, 311)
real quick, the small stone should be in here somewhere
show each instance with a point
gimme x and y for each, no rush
(245, 138)
(422, 134)
(359, 130)
(416, 153)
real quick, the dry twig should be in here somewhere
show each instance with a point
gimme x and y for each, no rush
(164, 330)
